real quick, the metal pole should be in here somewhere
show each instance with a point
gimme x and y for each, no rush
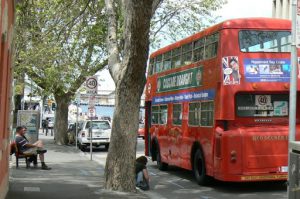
(91, 141)
(76, 125)
(293, 88)
(293, 80)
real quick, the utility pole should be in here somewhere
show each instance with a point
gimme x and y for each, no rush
(294, 146)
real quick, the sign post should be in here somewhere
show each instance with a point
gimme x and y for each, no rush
(92, 89)
(293, 182)
(76, 124)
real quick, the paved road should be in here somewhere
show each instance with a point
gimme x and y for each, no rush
(177, 183)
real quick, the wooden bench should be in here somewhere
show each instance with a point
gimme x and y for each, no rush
(14, 150)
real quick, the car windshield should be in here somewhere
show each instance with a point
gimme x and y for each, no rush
(101, 125)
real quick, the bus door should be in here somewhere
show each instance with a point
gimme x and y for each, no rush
(159, 129)
(175, 133)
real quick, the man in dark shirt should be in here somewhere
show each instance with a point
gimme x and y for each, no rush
(26, 148)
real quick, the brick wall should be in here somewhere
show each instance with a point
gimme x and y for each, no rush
(6, 30)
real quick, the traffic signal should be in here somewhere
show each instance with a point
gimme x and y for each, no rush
(53, 106)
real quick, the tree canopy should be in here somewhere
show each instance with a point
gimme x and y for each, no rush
(174, 19)
(59, 43)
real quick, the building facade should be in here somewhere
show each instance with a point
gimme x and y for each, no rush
(6, 30)
(282, 9)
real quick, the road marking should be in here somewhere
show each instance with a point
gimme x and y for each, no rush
(84, 172)
(32, 189)
(153, 195)
(153, 174)
(175, 184)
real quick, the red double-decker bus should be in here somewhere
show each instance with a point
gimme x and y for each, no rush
(217, 102)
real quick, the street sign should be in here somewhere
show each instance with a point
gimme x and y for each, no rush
(92, 101)
(92, 112)
(92, 85)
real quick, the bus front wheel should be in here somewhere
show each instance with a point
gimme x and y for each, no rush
(161, 165)
(199, 168)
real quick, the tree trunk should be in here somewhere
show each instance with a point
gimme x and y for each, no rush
(61, 119)
(129, 76)
(119, 168)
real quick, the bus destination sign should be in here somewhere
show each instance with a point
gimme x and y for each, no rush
(182, 97)
(180, 80)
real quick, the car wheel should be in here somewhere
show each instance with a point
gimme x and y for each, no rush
(161, 165)
(199, 168)
(82, 148)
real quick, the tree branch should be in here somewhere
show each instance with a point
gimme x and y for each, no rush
(74, 19)
(79, 80)
(112, 41)
(155, 5)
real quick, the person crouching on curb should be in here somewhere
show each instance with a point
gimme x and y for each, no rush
(141, 173)
(26, 148)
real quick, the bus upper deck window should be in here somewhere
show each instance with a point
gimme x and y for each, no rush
(264, 41)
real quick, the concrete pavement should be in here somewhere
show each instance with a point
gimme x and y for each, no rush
(73, 175)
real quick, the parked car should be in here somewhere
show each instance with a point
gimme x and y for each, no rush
(141, 131)
(106, 118)
(101, 131)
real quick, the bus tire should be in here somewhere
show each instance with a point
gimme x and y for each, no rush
(199, 168)
(161, 165)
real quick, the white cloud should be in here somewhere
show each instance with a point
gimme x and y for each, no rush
(245, 8)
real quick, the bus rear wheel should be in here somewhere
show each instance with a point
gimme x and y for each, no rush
(199, 168)
(161, 165)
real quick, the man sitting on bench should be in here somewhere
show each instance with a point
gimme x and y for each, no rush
(26, 148)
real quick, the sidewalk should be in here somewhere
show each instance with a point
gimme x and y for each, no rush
(72, 176)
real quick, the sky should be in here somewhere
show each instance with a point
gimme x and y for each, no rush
(245, 8)
(233, 9)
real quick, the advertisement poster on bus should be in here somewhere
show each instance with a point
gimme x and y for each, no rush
(231, 70)
(267, 70)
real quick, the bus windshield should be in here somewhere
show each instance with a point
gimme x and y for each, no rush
(264, 41)
(254, 105)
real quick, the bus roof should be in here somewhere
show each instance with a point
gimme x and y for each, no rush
(241, 23)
